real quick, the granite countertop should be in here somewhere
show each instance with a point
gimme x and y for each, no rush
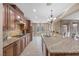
(67, 46)
(51, 40)
(11, 40)
(57, 44)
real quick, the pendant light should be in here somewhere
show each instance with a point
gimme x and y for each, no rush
(51, 16)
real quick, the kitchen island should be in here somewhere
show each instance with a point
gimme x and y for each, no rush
(59, 46)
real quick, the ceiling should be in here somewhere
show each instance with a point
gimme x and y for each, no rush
(74, 16)
(40, 12)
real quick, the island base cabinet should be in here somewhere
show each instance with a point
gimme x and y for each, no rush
(44, 50)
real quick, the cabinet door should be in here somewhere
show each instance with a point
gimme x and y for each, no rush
(17, 47)
(29, 38)
(26, 40)
(21, 45)
(5, 21)
(28, 26)
(9, 50)
(11, 22)
(23, 42)
(44, 49)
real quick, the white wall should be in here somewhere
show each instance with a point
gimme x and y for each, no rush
(1, 19)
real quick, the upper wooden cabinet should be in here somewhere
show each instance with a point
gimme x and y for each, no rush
(5, 21)
(11, 22)
(28, 25)
(11, 14)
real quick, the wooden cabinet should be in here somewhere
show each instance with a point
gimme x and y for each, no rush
(9, 50)
(5, 20)
(44, 49)
(26, 40)
(9, 18)
(13, 26)
(22, 43)
(28, 25)
(28, 37)
(18, 47)
(11, 23)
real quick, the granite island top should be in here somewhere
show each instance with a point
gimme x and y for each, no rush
(58, 44)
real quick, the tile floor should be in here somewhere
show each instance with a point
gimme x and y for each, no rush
(34, 48)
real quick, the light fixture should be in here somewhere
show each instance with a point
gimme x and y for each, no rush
(18, 17)
(51, 16)
(34, 10)
(54, 19)
(74, 25)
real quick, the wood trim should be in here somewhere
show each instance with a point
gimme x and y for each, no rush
(14, 10)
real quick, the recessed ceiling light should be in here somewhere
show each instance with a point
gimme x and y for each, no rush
(34, 10)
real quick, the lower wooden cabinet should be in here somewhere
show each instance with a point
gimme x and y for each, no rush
(29, 38)
(17, 47)
(9, 50)
(23, 44)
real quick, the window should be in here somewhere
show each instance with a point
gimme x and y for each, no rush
(75, 29)
(64, 29)
(39, 28)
